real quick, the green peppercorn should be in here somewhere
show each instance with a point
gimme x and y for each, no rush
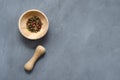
(34, 24)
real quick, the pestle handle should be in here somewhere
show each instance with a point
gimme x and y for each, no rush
(40, 50)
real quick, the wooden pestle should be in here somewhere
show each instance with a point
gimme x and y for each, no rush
(40, 50)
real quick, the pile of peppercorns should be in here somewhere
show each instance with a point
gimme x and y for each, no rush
(34, 24)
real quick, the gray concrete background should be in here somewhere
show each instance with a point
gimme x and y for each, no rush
(83, 42)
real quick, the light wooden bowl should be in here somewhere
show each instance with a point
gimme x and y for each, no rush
(23, 20)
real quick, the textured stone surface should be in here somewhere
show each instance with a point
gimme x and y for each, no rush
(83, 42)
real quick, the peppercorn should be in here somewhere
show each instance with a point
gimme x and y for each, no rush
(34, 24)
